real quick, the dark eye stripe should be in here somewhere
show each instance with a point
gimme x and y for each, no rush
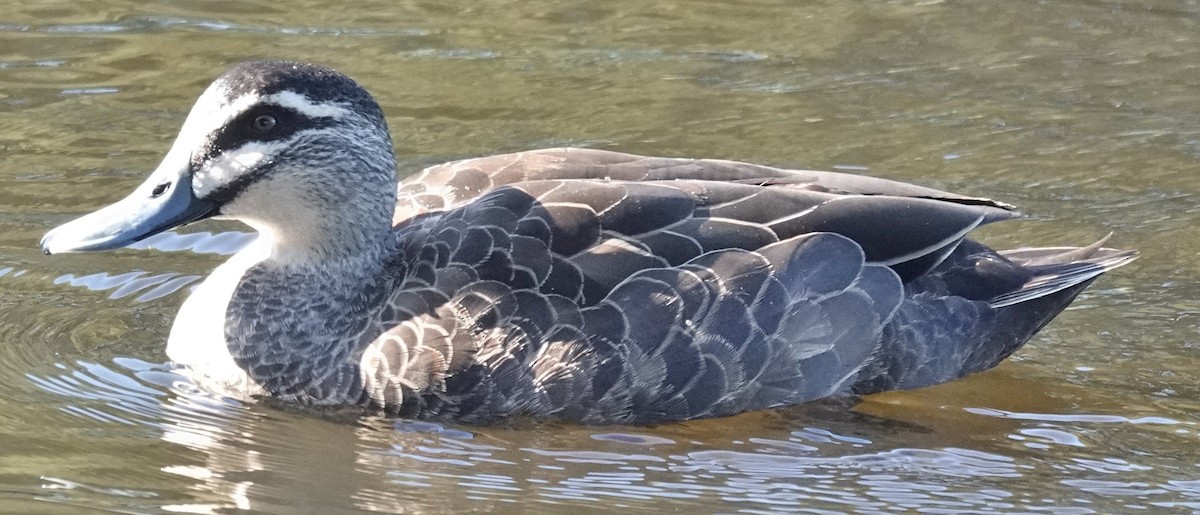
(241, 130)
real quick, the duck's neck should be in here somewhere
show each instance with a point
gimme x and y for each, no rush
(296, 323)
(327, 250)
(299, 316)
(306, 233)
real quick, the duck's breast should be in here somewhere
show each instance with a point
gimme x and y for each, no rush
(197, 339)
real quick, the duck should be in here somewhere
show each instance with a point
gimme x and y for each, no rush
(567, 283)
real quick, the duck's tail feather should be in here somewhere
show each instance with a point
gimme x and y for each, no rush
(1057, 268)
(977, 308)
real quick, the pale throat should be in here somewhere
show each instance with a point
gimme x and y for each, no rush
(299, 229)
(316, 243)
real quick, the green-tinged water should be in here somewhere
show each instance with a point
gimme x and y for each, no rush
(1083, 113)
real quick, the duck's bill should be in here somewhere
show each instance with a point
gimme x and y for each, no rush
(140, 215)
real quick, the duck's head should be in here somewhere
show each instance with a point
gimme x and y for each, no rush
(297, 151)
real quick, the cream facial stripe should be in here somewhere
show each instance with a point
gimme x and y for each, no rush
(301, 104)
(228, 166)
(233, 163)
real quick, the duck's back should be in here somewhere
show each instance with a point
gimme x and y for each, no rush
(606, 287)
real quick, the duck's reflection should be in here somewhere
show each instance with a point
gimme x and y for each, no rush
(148, 286)
(217, 455)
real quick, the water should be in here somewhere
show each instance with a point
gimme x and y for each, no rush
(1083, 113)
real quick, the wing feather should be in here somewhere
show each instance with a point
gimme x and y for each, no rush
(609, 287)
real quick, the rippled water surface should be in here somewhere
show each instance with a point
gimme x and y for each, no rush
(1084, 113)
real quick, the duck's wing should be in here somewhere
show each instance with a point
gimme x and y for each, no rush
(728, 331)
(450, 184)
(611, 214)
(606, 299)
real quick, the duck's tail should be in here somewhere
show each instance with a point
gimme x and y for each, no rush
(1057, 268)
(977, 308)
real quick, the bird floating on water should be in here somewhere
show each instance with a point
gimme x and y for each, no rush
(577, 284)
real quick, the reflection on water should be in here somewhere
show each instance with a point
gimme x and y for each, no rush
(154, 286)
(129, 283)
(1082, 113)
(249, 457)
(223, 243)
(1074, 417)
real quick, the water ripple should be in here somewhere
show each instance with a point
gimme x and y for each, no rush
(124, 285)
(777, 471)
(1072, 417)
(633, 439)
(223, 243)
(152, 24)
(139, 393)
(90, 91)
(950, 461)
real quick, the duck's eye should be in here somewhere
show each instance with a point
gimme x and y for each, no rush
(263, 123)
(160, 189)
